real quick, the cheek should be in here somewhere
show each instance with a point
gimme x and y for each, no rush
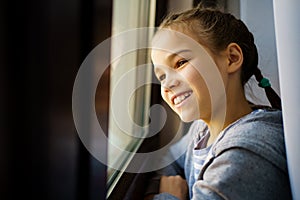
(163, 94)
(194, 78)
(198, 85)
(165, 97)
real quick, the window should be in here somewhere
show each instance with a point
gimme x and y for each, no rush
(129, 101)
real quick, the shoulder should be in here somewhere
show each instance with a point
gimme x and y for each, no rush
(260, 132)
(261, 124)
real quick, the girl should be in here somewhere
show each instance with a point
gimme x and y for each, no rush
(203, 58)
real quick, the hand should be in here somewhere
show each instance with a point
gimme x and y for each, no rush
(174, 185)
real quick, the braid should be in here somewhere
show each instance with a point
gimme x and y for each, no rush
(272, 96)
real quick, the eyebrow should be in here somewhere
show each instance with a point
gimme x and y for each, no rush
(170, 57)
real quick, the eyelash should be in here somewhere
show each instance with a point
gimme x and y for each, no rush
(177, 65)
(161, 77)
(180, 63)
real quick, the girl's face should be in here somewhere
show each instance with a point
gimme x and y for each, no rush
(190, 81)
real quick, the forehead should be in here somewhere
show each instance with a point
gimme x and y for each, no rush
(168, 42)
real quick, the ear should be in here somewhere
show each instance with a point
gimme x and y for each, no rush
(235, 57)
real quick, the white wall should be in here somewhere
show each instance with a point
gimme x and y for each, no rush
(259, 18)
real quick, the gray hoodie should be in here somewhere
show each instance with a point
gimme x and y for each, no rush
(247, 161)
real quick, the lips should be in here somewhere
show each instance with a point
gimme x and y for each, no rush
(177, 99)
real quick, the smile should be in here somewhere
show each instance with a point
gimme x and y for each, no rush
(180, 98)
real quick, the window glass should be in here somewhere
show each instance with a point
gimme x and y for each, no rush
(129, 102)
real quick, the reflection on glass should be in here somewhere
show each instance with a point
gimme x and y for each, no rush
(129, 103)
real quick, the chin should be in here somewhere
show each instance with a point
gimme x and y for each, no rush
(188, 115)
(187, 119)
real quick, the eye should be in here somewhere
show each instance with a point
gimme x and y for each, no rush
(180, 63)
(161, 77)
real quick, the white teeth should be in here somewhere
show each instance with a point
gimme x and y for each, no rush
(182, 97)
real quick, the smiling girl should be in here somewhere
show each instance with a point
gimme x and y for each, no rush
(203, 58)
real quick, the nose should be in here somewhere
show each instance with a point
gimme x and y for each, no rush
(169, 83)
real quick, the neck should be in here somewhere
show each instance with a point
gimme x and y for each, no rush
(236, 108)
